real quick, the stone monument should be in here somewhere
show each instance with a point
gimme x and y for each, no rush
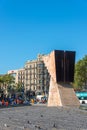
(60, 65)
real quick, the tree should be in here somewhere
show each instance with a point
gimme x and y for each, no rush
(19, 87)
(81, 73)
(6, 81)
(1, 84)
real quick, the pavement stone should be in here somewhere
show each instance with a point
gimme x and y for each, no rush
(43, 118)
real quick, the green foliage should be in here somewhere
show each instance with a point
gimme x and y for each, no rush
(11, 89)
(81, 74)
(6, 81)
(19, 87)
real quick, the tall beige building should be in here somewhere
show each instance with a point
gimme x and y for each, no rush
(34, 76)
(21, 76)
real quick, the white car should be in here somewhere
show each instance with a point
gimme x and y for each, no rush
(83, 100)
(39, 97)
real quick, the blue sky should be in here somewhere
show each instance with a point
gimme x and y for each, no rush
(30, 27)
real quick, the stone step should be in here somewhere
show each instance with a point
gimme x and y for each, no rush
(68, 96)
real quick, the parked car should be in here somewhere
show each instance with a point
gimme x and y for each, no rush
(83, 100)
(39, 97)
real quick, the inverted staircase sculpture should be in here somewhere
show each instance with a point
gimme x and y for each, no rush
(60, 66)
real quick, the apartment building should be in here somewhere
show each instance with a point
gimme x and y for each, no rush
(34, 76)
(14, 73)
(21, 76)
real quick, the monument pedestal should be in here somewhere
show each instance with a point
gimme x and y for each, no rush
(54, 98)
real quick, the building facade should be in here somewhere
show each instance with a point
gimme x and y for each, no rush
(34, 76)
(21, 76)
(14, 73)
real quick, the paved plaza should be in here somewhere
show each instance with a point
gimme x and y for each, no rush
(42, 118)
